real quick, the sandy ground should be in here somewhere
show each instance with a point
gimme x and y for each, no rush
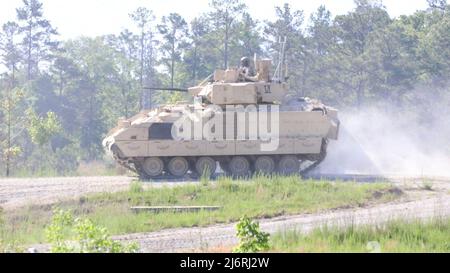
(417, 203)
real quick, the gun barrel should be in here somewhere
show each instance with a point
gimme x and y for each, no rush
(166, 89)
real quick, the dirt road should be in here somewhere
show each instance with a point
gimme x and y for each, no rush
(16, 192)
(419, 203)
(19, 192)
(223, 236)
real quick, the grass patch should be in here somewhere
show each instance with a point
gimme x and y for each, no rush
(260, 198)
(427, 185)
(396, 236)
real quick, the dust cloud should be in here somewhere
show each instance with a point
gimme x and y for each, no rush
(387, 141)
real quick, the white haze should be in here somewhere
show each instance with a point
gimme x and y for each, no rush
(385, 141)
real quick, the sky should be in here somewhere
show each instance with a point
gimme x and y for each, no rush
(74, 18)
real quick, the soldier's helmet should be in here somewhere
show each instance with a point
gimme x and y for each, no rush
(245, 62)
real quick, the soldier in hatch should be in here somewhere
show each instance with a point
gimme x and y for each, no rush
(246, 72)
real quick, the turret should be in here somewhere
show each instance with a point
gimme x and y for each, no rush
(233, 86)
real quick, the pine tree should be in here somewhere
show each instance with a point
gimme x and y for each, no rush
(9, 49)
(174, 30)
(38, 43)
(224, 18)
(144, 20)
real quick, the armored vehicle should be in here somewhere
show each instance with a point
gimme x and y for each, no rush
(241, 121)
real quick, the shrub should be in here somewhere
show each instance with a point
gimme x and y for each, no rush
(251, 239)
(427, 185)
(67, 234)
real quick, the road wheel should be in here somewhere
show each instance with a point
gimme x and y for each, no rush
(239, 166)
(289, 165)
(204, 165)
(178, 166)
(153, 166)
(265, 165)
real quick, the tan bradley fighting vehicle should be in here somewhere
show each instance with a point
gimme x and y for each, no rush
(246, 123)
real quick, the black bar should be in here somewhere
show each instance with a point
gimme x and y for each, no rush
(227, 262)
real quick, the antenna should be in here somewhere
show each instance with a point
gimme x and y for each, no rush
(279, 75)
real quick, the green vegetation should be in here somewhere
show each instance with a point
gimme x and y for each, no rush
(6, 246)
(263, 197)
(42, 129)
(427, 185)
(136, 187)
(84, 85)
(67, 234)
(205, 177)
(396, 236)
(251, 239)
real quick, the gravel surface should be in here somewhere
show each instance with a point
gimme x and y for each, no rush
(223, 236)
(17, 192)
(420, 203)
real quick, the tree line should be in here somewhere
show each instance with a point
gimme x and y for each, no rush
(60, 97)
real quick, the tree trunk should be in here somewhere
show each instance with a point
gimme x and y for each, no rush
(150, 79)
(13, 76)
(225, 61)
(173, 60)
(141, 76)
(29, 52)
(89, 127)
(61, 83)
(8, 152)
(303, 90)
(359, 94)
(194, 68)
